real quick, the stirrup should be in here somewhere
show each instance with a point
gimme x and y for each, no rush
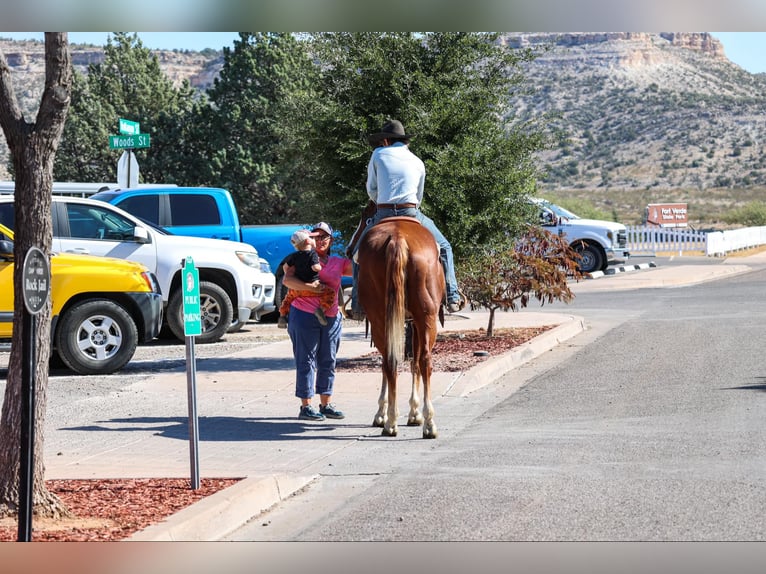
(357, 314)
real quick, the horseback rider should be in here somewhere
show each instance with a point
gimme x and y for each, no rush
(395, 182)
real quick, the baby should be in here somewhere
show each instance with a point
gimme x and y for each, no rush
(307, 267)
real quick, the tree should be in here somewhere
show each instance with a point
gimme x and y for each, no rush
(33, 148)
(128, 84)
(257, 115)
(449, 89)
(538, 265)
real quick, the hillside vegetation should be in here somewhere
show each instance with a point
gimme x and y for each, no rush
(645, 118)
(639, 118)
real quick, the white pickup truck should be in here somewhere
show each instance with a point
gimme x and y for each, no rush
(598, 242)
(233, 285)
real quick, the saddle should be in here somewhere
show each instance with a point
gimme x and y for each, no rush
(399, 218)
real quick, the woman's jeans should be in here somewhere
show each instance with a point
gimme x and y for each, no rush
(314, 350)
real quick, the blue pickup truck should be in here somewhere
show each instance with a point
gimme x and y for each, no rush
(210, 212)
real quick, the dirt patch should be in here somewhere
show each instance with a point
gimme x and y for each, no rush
(455, 350)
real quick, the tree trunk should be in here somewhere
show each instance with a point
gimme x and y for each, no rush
(33, 147)
(491, 322)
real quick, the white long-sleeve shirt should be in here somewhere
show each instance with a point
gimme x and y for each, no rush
(395, 175)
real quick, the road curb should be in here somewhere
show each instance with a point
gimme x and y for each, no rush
(622, 269)
(217, 515)
(488, 371)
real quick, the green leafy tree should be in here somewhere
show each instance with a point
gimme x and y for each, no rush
(255, 120)
(450, 90)
(128, 84)
(538, 265)
(33, 147)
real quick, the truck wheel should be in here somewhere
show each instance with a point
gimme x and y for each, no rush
(215, 306)
(591, 258)
(96, 337)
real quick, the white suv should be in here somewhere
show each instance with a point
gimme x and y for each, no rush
(233, 286)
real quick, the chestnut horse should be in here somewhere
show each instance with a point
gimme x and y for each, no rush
(401, 278)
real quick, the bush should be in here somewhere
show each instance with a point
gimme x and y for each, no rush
(751, 215)
(537, 265)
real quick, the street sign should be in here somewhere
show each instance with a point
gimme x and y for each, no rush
(129, 142)
(129, 128)
(191, 306)
(36, 280)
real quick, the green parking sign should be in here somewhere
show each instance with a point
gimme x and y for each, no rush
(191, 306)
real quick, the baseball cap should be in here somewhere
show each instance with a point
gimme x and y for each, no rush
(300, 236)
(322, 226)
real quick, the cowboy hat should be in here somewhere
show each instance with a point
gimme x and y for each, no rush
(392, 129)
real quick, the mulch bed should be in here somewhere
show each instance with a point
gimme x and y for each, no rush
(113, 509)
(455, 350)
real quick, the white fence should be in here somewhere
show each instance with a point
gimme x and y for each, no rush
(650, 240)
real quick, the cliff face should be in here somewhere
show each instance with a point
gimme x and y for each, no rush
(27, 62)
(639, 111)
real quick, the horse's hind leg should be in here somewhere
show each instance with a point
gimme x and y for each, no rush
(429, 426)
(415, 417)
(390, 427)
(380, 416)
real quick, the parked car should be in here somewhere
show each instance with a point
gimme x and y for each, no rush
(210, 212)
(232, 282)
(102, 308)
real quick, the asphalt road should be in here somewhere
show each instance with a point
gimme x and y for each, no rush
(647, 427)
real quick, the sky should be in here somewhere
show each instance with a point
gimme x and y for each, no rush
(746, 49)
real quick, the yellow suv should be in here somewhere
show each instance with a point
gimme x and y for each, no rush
(102, 308)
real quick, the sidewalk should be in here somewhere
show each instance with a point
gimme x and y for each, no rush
(248, 425)
(247, 411)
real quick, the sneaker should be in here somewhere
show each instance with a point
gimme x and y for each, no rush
(309, 413)
(319, 314)
(282, 322)
(331, 411)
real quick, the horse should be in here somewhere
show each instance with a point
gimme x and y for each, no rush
(401, 278)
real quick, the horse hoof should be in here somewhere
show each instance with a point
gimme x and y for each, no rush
(430, 434)
(388, 432)
(414, 422)
(378, 423)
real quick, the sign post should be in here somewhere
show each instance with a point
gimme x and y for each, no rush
(192, 327)
(129, 139)
(36, 278)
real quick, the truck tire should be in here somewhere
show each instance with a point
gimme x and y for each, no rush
(215, 306)
(96, 337)
(591, 257)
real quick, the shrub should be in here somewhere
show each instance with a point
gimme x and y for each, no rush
(538, 265)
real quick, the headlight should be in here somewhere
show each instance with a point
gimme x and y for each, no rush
(249, 258)
(265, 267)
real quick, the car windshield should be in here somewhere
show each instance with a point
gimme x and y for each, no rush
(558, 210)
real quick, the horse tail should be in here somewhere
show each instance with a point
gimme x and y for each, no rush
(397, 254)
